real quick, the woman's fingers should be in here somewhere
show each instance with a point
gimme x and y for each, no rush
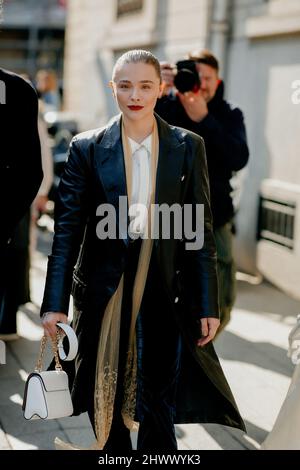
(209, 328)
(50, 320)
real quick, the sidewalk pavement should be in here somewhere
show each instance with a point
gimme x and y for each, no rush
(252, 350)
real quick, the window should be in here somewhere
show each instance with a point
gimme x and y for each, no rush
(126, 7)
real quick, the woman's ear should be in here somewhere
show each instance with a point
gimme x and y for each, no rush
(161, 89)
(111, 85)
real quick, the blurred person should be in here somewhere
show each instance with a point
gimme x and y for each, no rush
(22, 246)
(145, 312)
(167, 71)
(47, 86)
(205, 112)
(40, 203)
(21, 167)
(20, 177)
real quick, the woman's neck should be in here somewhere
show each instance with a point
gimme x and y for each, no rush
(138, 130)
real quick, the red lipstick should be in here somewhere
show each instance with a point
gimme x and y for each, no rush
(135, 108)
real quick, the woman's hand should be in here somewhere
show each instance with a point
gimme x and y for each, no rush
(40, 203)
(49, 322)
(209, 328)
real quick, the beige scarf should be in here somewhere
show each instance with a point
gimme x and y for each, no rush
(108, 349)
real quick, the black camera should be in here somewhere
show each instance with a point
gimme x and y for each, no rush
(187, 77)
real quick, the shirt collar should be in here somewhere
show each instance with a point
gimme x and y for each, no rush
(147, 143)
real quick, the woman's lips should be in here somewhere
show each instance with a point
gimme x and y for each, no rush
(135, 108)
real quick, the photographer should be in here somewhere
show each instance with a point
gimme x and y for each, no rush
(194, 100)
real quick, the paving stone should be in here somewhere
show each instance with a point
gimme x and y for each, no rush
(43, 440)
(14, 423)
(4, 444)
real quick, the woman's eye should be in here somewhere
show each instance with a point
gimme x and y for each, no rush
(146, 87)
(123, 86)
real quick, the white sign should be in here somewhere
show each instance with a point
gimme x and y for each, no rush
(2, 92)
(2, 352)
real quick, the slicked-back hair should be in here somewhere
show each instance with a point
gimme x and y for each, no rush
(134, 57)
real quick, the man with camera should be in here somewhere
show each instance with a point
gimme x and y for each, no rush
(194, 100)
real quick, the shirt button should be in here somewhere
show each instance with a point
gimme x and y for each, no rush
(176, 300)
(183, 178)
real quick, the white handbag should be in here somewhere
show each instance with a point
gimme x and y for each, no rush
(47, 394)
(73, 343)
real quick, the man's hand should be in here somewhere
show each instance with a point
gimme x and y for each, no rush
(49, 322)
(209, 328)
(194, 104)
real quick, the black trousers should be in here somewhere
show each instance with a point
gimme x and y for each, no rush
(14, 277)
(158, 348)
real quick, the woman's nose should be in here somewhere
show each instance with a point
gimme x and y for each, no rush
(135, 94)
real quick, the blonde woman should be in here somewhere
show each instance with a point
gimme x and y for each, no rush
(146, 310)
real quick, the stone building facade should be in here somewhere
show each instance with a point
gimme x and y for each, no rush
(258, 43)
(32, 35)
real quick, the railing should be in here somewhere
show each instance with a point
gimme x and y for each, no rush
(276, 222)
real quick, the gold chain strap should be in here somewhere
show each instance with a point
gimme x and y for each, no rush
(54, 343)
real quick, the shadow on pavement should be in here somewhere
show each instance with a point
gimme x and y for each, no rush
(265, 298)
(264, 355)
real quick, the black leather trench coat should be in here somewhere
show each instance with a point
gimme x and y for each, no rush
(91, 268)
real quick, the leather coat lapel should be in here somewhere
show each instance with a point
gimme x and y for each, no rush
(170, 164)
(111, 167)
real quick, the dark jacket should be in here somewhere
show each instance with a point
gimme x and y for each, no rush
(224, 135)
(20, 156)
(95, 174)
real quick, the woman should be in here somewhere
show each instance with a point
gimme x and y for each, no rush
(145, 310)
(23, 245)
(284, 434)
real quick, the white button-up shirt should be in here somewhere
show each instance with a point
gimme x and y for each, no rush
(141, 183)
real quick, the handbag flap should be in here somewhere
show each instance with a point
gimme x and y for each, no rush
(54, 380)
(34, 403)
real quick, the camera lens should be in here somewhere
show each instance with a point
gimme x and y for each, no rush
(186, 80)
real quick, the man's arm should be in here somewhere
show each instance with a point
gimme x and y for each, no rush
(225, 138)
(227, 141)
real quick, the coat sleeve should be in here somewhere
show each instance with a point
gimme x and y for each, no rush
(200, 265)
(226, 141)
(23, 173)
(70, 222)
